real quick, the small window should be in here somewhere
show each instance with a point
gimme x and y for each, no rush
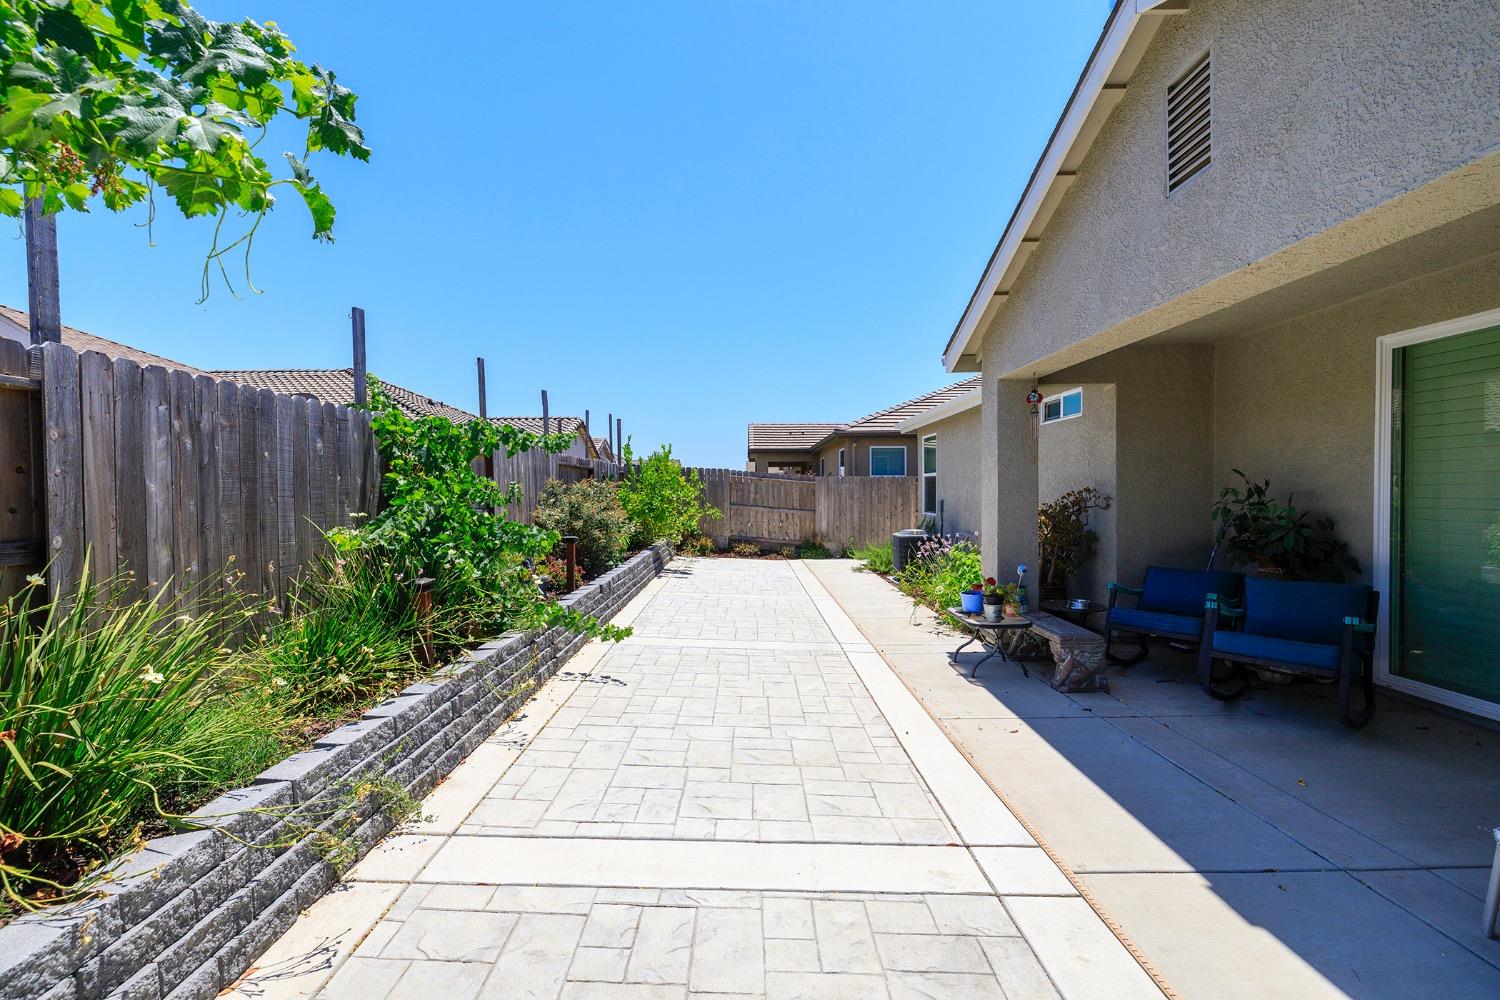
(887, 460)
(1063, 406)
(820, 467)
(1189, 125)
(841, 461)
(929, 475)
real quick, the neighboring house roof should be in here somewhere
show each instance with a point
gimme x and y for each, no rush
(1117, 54)
(80, 341)
(808, 437)
(788, 437)
(890, 419)
(602, 448)
(534, 424)
(336, 385)
(957, 404)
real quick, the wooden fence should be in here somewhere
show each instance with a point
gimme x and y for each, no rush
(775, 510)
(177, 478)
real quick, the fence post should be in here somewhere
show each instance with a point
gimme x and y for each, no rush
(546, 423)
(357, 319)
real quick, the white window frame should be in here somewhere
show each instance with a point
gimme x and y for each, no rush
(888, 447)
(925, 475)
(841, 463)
(1060, 397)
(820, 466)
(1386, 348)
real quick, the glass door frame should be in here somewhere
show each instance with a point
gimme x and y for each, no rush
(1386, 348)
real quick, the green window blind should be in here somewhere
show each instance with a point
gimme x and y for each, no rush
(1445, 493)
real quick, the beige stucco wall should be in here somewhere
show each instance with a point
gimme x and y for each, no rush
(1146, 438)
(1295, 402)
(960, 467)
(1321, 110)
(857, 458)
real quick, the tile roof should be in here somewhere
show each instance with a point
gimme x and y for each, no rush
(80, 341)
(886, 421)
(806, 437)
(336, 385)
(788, 437)
(601, 445)
(534, 424)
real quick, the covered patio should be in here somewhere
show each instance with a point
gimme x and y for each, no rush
(1248, 849)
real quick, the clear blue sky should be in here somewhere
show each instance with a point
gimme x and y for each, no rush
(695, 214)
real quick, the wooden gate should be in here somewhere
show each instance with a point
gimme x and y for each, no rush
(22, 545)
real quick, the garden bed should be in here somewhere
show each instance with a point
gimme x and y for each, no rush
(184, 916)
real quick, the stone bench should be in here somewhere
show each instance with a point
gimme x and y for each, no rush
(1077, 652)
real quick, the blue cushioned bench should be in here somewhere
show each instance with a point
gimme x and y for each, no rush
(1169, 605)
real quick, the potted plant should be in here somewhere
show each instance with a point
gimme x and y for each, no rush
(971, 601)
(1000, 599)
(1279, 539)
(1064, 540)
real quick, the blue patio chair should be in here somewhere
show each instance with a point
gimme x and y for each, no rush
(1169, 606)
(1301, 628)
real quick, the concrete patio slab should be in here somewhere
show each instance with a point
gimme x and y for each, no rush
(1170, 805)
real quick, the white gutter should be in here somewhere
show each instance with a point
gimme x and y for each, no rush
(1101, 87)
(956, 405)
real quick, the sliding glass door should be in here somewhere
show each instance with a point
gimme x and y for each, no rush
(1443, 631)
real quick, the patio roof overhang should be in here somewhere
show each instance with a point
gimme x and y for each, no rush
(1118, 52)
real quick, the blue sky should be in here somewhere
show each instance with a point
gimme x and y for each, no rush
(692, 214)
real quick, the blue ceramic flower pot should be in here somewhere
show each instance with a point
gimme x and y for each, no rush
(972, 601)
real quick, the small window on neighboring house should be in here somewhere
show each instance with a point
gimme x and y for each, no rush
(929, 475)
(1063, 406)
(820, 467)
(1189, 125)
(841, 461)
(887, 460)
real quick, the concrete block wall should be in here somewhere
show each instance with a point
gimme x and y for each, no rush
(184, 917)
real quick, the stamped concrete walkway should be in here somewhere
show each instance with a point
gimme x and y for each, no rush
(740, 801)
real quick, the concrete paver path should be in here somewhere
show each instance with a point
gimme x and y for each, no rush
(740, 801)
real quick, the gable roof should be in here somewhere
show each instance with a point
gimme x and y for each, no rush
(1130, 27)
(603, 450)
(807, 437)
(336, 385)
(890, 419)
(79, 341)
(534, 424)
(788, 437)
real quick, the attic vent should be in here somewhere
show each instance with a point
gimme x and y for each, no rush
(1189, 125)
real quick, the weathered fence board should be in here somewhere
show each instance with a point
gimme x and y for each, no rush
(858, 510)
(177, 478)
(22, 544)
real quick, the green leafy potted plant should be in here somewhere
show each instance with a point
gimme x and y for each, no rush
(1280, 540)
(1064, 540)
(999, 599)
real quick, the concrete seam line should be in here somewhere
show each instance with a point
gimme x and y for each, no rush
(1083, 890)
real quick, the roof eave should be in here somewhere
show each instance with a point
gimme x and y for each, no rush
(952, 407)
(1100, 87)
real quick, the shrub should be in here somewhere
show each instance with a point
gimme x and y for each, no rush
(745, 550)
(107, 709)
(435, 521)
(664, 502)
(349, 636)
(697, 545)
(877, 557)
(811, 550)
(940, 569)
(590, 509)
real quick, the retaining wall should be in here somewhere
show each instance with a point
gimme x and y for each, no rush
(184, 917)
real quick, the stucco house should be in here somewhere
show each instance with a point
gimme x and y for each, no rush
(1266, 236)
(873, 445)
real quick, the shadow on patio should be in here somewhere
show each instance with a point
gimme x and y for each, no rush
(1254, 849)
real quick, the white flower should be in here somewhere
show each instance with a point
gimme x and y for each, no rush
(36, 580)
(181, 619)
(344, 679)
(279, 681)
(151, 676)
